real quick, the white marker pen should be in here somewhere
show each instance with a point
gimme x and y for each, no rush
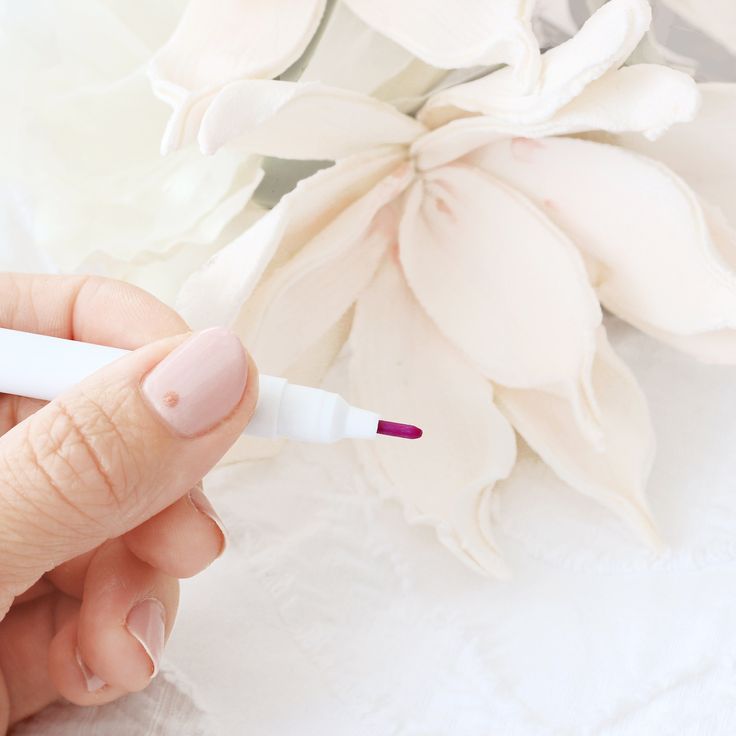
(43, 367)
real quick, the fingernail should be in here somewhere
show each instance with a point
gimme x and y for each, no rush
(146, 622)
(203, 505)
(200, 383)
(93, 682)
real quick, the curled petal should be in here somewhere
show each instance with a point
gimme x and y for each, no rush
(603, 43)
(402, 367)
(644, 98)
(615, 472)
(703, 152)
(717, 345)
(217, 43)
(302, 121)
(500, 281)
(463, 33)
(653, 257)
(215, 293)
(302, 299)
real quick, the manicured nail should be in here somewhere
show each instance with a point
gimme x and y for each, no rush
(93, 682)
(203, 505)
(146, 622)
(200, 383)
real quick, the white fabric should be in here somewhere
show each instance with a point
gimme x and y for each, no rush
(329, 616)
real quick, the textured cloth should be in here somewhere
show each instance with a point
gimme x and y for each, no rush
(329, 615)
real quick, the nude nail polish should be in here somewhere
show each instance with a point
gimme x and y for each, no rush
(200, 383)
(147, 623)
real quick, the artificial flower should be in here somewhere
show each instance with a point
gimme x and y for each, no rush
(364, 45)
(462, 255)
(84, 181)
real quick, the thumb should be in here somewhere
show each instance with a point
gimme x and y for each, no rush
(118, 448)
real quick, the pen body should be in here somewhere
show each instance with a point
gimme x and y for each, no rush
(43, 367)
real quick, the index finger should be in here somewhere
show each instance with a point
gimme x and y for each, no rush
(86, 308)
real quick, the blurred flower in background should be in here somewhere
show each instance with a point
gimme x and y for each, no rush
(84, 182)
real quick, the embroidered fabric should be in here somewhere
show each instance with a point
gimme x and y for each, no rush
(329, 615)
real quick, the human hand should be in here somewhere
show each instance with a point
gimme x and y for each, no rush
(101, 507)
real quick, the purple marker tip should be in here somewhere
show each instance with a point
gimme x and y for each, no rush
(394, 429)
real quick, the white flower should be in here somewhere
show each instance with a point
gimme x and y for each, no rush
(475, 245)
(80, 149)
(367, 46)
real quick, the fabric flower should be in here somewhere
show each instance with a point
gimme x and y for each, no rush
(464, 255)
(80, 149)
(364, 44)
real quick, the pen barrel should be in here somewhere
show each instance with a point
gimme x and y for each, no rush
(43, 367)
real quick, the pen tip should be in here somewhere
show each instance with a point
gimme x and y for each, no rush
(394, 429)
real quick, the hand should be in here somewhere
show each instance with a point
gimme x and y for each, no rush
(101, 505)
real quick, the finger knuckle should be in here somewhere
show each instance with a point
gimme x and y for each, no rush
(83, 458)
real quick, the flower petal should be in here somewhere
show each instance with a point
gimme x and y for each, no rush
(603, 43)
(501, 282)
(459, 34)
(163, 273)
(717, 345)
(402, 367)
(217, 43)
(302, 121)
(614, 474)
(214, 295)
(301, 300)
(703, 152)
(644, 98)
(652, 255)
(351, 55)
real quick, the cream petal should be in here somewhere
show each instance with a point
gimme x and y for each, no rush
(182, 127)
(301, 300)
(614, 474)
(162, 273)
(98, 183)
(644, 98)
(717, 18)
(218, 43)
(403, 368)
(214, 294)
(718, 345)
(703, 152)
(498, 278)
(351, 55)
(654, 260)
(463, 33)
(603, 43)
(302, 121)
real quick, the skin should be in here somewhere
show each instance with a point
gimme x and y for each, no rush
(78, 550)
